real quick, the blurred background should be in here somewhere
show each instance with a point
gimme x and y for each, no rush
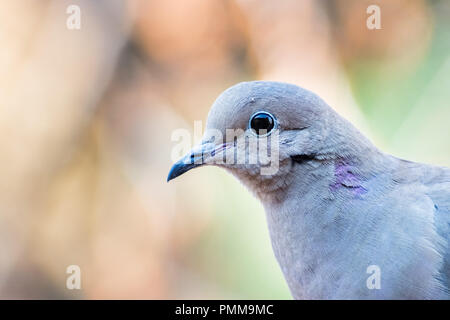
(86, 118)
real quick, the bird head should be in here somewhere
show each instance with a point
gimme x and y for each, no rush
(257, 129)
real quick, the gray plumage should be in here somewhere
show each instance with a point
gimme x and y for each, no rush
(337, 204)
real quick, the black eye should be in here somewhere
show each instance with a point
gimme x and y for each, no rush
(262, 123)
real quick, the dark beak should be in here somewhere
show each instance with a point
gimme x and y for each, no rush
(195, 158)
(179, 168)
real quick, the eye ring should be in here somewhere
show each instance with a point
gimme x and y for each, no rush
(266, 119)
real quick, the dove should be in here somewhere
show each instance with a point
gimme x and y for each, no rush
(346, 220)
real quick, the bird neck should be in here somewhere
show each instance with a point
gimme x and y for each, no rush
(267, 188)
(307, 227)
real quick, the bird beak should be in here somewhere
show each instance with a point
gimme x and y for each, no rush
(197, 157)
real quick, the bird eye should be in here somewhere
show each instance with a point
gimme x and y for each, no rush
(262, 123)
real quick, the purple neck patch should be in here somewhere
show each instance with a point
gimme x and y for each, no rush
(345, 178)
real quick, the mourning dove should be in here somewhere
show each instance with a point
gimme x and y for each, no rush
(339, 210)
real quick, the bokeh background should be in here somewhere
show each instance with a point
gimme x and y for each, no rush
(86, 118)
